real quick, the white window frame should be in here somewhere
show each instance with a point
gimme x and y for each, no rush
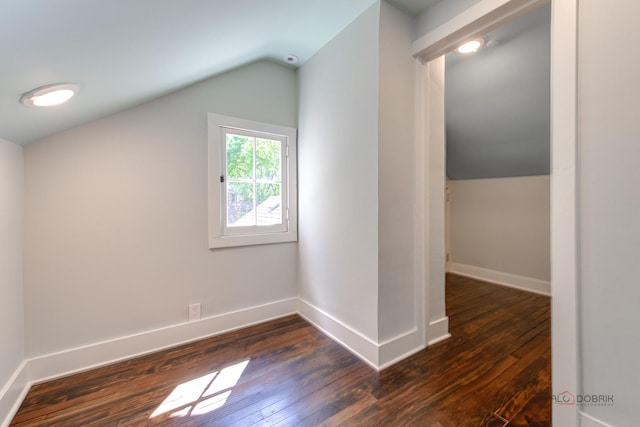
(221, 236)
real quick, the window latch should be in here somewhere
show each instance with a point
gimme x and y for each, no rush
(221, 178)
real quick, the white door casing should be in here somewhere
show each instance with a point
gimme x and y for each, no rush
(478, 20)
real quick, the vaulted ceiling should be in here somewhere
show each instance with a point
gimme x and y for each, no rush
(124, 52)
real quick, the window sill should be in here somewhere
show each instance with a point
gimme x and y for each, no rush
(218, 242)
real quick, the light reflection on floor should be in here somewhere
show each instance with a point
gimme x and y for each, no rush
(202, 395)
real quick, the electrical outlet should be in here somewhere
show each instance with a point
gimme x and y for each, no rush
(194, 312)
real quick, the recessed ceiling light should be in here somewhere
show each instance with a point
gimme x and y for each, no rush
(471, 46)
(291, 59)
(50, 95)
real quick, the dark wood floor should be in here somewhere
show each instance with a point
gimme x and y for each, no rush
(494, 371)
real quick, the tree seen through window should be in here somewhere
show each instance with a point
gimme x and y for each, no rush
(253, 180)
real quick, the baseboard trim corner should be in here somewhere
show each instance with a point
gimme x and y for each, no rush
(398, 348)
(13, 393)
(46, 367)
(438, 330)
(523, 283)
(361, 346)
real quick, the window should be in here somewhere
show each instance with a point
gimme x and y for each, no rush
(252, 182)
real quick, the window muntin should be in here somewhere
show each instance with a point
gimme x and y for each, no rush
(252, 182)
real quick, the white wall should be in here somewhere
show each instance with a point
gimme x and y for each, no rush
(502, 225)
(396, 177)
(338, 176)
(116, 218)
(11, 265)
(609, 208)
(440, 13)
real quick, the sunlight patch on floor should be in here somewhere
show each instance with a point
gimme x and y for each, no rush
(203, 394)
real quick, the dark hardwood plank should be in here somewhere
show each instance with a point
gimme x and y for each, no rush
(495, 370)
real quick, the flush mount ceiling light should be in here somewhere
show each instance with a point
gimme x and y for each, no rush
(50, 95)
(471, 46)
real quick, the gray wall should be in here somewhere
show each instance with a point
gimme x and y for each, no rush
(116, 218)
(11, 260)
(338, 176)
(610, 207)
(396, 177)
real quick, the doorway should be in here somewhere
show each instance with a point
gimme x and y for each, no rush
(497, 110)
(430, 261)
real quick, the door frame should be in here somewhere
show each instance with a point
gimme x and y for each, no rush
(479, 19)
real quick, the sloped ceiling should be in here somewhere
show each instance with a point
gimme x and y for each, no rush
(124, 52)
(413, 7)
(498, 103)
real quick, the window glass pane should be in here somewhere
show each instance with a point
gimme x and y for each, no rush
(269, 210)
(240, 211)
(268, 160)
(239, 157)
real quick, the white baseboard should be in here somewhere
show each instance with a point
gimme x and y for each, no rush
(363, 347)
(589, 421)
(529, 284)
(90, 356)
(13, 393)
(377, 355)
(54, 365)
(438, 330)
(398, 348)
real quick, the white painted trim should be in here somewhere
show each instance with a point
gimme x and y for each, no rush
(565, 359)
(589, 421)
(476, 21)
(435, 185)
(420, 240)
(289, 232)
(360, 345)
(78, 359)
(429, 251)
(377, 355)
(439, 330)
(55, 365)
(564, 143)
(13, 393)
(398, 348)
(43, 368)
(524, 283)
(429, 244)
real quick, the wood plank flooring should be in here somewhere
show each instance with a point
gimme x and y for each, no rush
(494, 371)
